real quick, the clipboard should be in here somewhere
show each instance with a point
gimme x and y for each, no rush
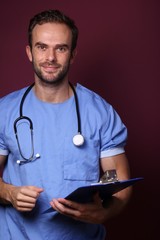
(85, 194)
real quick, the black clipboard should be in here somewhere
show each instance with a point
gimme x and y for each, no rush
(85, 194)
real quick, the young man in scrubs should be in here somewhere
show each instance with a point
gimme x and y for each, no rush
(31, 183)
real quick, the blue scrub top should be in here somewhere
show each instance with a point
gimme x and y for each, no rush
(62, 167)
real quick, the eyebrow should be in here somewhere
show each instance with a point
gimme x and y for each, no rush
(40, 43)
(57, 45)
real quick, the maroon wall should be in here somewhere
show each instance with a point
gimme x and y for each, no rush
(118, 57)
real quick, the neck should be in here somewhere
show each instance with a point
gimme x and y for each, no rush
(53, 94)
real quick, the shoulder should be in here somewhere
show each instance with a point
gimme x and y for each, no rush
(96, 107)
(11, 101)
(91, 99)
(12, 97)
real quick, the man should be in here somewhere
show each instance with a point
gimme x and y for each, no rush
(31, 183)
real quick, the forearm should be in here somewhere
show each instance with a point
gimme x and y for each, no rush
(5, 192)
(116, 204)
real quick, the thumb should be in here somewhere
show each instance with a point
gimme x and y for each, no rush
(37, 189)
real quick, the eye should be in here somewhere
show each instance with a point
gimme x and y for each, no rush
(42, 47)
(62, 49)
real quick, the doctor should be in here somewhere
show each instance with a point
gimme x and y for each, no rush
(43, 164)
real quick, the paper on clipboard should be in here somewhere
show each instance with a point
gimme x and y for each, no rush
(85, 194)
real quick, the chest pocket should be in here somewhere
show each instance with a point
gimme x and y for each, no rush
(81, 163)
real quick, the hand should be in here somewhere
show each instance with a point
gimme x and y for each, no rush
(89, 212)
(24, 198)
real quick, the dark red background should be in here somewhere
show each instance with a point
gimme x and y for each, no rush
(118, 57)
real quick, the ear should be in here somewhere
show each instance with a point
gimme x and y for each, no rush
(73, 55)
(29, 53)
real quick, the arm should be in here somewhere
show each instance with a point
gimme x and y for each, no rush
(22, 198)
(120, 199)
(98, 212)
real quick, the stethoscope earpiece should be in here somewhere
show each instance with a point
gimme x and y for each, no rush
(28, 160)
(37, 155)
(78, 140)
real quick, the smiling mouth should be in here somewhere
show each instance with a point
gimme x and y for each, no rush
(50, 68)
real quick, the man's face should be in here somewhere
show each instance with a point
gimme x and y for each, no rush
(51, 52)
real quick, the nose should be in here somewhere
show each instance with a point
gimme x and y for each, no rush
(51, 55)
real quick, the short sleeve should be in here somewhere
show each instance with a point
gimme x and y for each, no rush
(113, 134)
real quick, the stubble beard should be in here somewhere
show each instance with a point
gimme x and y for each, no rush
(55, 80)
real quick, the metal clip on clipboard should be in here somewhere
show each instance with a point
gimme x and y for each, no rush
(109, 176)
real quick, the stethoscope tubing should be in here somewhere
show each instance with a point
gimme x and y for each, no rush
(78, 136)
(77, 108)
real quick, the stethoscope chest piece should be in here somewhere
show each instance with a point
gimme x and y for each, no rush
(78, 140)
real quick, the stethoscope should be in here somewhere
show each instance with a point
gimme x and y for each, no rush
(78, 139)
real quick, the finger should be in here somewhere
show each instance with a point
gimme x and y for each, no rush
(56, 205)
(76, 206)
(69, 204)
(24, 208)
(64, 209)
(26, 198)
(69, 208)
(30, 191)
(25, 205)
